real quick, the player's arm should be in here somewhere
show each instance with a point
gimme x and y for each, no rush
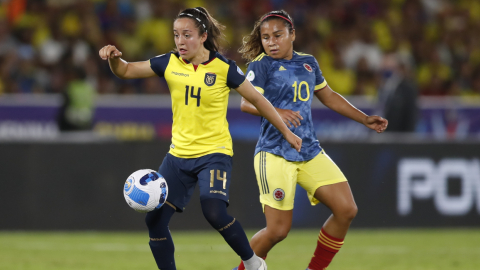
(265, 109)
(336, 102)
(122, 68)
(289, 117)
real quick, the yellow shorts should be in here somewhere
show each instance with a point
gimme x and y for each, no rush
(277, 178)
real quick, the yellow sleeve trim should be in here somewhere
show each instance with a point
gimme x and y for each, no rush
(321, 86)
(259, 89)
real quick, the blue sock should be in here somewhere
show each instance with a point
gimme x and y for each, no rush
(215, 211)
(161, 242)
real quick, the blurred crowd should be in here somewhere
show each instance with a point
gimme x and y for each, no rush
(46, 46)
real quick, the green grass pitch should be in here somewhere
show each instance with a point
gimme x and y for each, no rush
(432, 249)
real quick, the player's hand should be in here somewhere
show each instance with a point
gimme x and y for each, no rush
(294, 140)
(290, 117)
(376, 123)
(109, 52)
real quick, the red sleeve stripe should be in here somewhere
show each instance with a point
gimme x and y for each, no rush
(318, 90)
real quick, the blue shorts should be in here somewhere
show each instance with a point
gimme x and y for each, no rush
(212, 172)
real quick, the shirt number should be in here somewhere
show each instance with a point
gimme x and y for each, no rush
(192, 95)
(299, 90)
(219, 177)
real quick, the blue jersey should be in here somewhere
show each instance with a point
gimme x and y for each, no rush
(288, 84)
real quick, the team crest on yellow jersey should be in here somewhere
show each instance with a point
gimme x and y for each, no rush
(210, 78)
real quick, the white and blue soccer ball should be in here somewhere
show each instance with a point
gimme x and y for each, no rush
(145, 190)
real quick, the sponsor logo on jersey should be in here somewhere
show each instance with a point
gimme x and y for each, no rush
(307, 67)
(218, 192)
(172, 146)
(278, 194)
(251, 76)
(239, 70)
(180, 74)
(210, 78)
(158, 239)
(282, 68)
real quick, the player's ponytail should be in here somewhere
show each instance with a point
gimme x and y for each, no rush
(205, 23)
(252, 43)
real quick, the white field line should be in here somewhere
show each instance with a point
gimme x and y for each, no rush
(46, 246)
(109, 247)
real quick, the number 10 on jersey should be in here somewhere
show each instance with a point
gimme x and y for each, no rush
(299, 91)
(192, 95)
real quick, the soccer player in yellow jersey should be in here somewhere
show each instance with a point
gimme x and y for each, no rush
(291, 80)
(199, 79)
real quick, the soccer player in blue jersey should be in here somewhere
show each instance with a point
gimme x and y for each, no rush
(199, 79)
(290, 80)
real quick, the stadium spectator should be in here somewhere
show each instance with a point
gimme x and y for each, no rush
(77, 110)
(397, 96)
(437, 40)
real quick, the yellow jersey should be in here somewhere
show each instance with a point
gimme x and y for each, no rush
(199, 102)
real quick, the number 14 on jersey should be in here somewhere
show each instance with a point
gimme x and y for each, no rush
(191, 89)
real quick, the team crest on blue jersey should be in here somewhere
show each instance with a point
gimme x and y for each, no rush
(307, 67)
(210, 78)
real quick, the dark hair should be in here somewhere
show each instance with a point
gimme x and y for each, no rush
(252, 43)
(205, 23)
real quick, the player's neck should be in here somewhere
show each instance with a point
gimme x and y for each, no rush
(202, 56)
(289, 55)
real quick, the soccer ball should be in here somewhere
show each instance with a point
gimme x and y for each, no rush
(145, 190)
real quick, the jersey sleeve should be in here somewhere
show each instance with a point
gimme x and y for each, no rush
(159, 63)
(235, 75)
(320, 81)
(257, 75)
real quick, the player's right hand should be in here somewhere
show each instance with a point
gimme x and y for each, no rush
(294, 140)
(109, 52)
(290, 117)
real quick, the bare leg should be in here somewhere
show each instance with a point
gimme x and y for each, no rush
(339, 198)
(279, 223)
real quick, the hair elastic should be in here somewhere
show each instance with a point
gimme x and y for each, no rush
(276, 15)
(200, 11)
(193, 17)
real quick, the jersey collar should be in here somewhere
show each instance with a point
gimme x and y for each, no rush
(294, 55)
(212, 56)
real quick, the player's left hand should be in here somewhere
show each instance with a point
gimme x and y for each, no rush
(294, 140)
(376, 123)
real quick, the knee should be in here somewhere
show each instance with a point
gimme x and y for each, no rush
(211, 216)
(278, 234)
(151, 221)
(215, 212)
(349, 212)
(159, 218)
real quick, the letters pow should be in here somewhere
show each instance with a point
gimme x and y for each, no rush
(421, 179)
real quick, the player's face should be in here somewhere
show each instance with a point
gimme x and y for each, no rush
(187, 38)
(277, 41)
